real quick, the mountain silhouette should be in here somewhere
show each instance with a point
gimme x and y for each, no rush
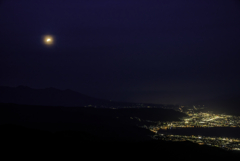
(46, 97)
(56, 97)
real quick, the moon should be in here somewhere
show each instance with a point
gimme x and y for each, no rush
(48, 40)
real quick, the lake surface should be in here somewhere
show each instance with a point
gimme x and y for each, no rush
(229, 132)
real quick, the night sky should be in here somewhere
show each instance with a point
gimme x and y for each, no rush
(149, 51)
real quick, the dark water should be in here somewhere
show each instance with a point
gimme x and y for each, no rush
(214, 131)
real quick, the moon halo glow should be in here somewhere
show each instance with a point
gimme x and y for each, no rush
(48, 40)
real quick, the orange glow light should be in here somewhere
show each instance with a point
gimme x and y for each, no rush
(48, 40)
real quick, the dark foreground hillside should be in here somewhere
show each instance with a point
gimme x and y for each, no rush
(82, 144)
(107, 123)
(92, 132)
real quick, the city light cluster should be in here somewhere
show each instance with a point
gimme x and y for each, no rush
(224, 143)
(203, 120)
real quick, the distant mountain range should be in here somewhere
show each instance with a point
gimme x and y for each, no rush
(68, 98)
(56, 97)
(46, 97)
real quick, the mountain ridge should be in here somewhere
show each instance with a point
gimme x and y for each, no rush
(47, 97)
(69, 98)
